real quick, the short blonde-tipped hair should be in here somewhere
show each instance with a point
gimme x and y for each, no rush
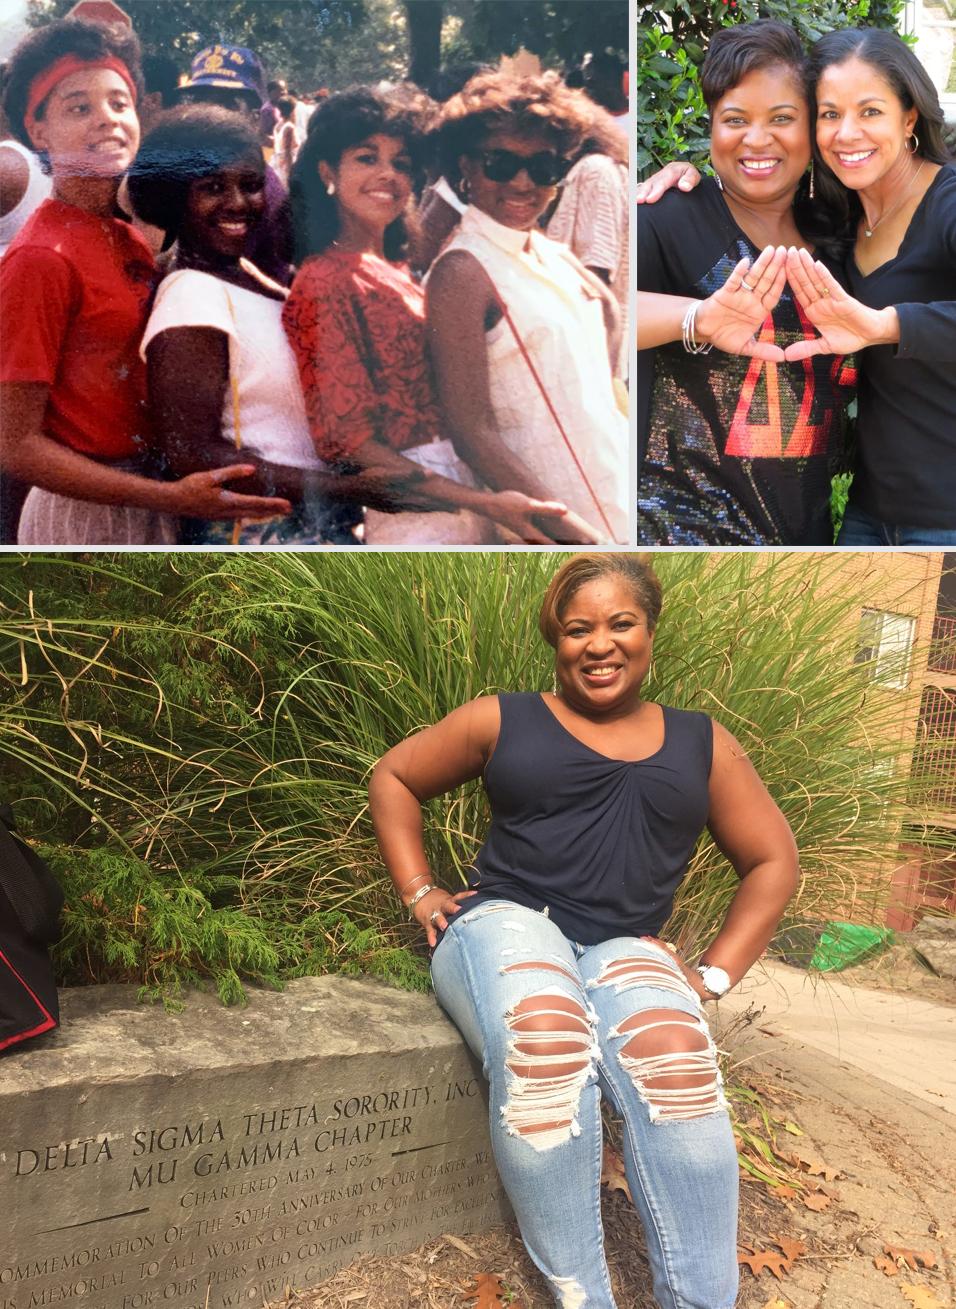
(634, 570)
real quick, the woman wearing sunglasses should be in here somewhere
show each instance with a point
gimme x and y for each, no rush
(521, 333)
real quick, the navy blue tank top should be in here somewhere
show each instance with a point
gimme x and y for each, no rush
(601, 843)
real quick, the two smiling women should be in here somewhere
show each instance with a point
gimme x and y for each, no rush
(739, 445)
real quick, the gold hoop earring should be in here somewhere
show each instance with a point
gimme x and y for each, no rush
(915, 139)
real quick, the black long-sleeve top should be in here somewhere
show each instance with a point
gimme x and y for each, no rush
(907, 416)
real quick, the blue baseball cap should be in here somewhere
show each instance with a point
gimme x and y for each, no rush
(227, 66)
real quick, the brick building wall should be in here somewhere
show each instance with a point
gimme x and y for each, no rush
(896, 597)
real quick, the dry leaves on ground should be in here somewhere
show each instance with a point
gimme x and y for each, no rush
(489, 1293)
(914, 1259)
(792, 1248)
(772, 1260)
(920, 1297)
(814, 1166)
(612, 1173)
(817, 1201)
(777, 1262)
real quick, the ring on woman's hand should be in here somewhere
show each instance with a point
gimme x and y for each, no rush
(434, 916)
(751, 289)
(825, 290)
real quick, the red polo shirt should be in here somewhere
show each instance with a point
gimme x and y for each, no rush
(74, 295)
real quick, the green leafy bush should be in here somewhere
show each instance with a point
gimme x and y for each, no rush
(123, 922)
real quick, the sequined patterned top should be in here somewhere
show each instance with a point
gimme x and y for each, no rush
(733, 450)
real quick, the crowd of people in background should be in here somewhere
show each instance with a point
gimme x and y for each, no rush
(235, 314)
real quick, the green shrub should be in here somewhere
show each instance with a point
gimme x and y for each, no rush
(123, 922)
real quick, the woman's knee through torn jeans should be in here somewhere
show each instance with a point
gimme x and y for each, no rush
(555, 1023)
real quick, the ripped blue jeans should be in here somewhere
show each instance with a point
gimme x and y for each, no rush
(554, 1024)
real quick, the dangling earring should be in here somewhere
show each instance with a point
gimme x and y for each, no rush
(720, 185)
(330, 189)
(811, 179)
(464, 188)
(915, 139)
(554, 684)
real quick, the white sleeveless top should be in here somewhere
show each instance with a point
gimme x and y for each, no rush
(561, 323)
(272, 418)
(39, 188)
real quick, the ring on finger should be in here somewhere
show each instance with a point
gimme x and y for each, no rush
(747, 287)
(434, 916)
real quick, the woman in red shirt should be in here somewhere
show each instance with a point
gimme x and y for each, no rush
(355, 320)
(74, 288)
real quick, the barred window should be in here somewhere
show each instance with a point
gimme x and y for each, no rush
(885, 642)
(934, 759)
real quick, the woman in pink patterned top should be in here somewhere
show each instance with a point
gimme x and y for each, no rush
(355, 320)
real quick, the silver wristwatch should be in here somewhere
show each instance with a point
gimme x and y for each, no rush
(716, 981)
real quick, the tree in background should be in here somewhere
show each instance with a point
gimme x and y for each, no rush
(672, 37)
(300, 39)
(335, 42)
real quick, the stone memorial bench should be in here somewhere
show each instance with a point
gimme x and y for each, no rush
(156, 1159)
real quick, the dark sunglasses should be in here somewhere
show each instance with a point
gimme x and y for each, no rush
(544, 169)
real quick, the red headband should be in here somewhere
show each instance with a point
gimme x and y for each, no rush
(44, 82)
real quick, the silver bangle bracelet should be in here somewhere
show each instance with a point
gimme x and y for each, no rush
(419, 895)
(688, 335)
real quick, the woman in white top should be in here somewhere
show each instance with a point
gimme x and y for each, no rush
(221, 374)
(521, 333)
(23, 187)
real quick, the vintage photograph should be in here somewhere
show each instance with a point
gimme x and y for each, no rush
(314, 274)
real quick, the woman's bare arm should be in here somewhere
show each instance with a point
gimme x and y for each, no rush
(188, 379)
(754, 835)
(27, 454)
(533, 521)
(14, 179)
(659, 318)
(459, 302)
(730, 319)
(430, 763)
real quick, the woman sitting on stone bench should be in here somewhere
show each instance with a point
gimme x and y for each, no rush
(550, 964)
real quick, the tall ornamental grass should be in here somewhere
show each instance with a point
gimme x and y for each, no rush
(193, 736)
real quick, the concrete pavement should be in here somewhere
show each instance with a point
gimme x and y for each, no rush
(904, 1041)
